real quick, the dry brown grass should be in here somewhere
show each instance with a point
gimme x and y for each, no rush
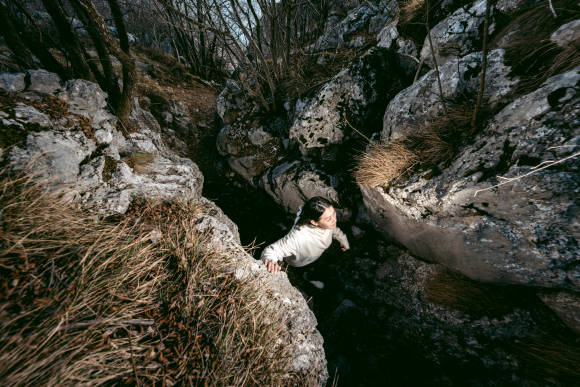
(477, 299)
(425, 147)
(382, 164)
(410, 10)
(529, 50)
(88, 302)
(552, 358)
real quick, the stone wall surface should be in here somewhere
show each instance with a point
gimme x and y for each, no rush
(524, 232)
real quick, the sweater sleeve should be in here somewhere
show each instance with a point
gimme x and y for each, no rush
(284, 247)
(340, 237)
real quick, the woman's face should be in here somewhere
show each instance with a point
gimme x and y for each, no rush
(327, 220)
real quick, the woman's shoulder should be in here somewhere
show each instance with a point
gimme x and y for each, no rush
(308, 230)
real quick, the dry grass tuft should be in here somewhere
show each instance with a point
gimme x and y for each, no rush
(382, 164)
(425, 147)
(529, 50)
(551, 358)
(137, 299)
(477, 299)
(410, 10)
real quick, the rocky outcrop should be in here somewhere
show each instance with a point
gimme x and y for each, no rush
(421, 103)
(291, 184)
(80, 152)
(524, 232)
(339, 34)
(302, 339)
(350, 95)
(404, 305)
(457, 35)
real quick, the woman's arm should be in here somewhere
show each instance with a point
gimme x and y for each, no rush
(341, 238)
(284, 247)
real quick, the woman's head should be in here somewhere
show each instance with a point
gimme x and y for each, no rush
(319, 212)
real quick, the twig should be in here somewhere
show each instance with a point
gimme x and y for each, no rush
(356, 130)
(534, 170)
(552, 8)
(418, 70)
(51, 273)
(132, 358)
(483, 65)
(88, 323)
(433, 56)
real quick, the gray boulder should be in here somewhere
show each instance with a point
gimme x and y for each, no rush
(26, 114)
(457, 35)
(291, 184)
(420, 103)
(338, 35)
(87, 99)
(42, 81)
(279, 299)
(351, 94)
(511, 7)
(53, 156)
(250, 152)
(522, 233)
(567, 34)
(232, 102)
(12, 82)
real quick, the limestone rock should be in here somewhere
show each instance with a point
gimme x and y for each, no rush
(291, 184)
(420, 103)
(12, 82)
(567, 34)
(566, 305)
(30, 115)
(339, 35)
(43, 81)
(524, 232)
(302, 338)
(250, 151)
(351, 94)
(55, 156)
(457, 35)
(414, 304)
(231, 102)
(510, 7)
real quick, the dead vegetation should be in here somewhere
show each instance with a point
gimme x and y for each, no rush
(138, 299)
(536, 60)
(382, 164)
(425, 147)
(477, 299)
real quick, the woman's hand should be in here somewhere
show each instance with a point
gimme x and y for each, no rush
(272, 266)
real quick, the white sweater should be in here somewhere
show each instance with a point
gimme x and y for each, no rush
(303, 245)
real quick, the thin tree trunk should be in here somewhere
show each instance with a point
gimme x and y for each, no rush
(73, 48)
(123, 109)
(433, 56)
(483, 67)
(8, 30)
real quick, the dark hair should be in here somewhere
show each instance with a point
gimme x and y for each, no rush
(312, 210)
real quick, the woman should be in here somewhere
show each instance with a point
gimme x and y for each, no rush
(312, 233)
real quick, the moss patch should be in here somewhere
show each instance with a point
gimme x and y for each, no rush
(139, 160)
(109, 168)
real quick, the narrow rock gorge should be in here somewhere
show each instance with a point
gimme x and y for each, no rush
(464, 264)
